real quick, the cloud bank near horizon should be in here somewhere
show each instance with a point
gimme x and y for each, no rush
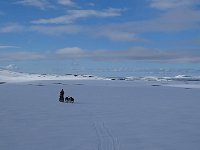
(131, 54)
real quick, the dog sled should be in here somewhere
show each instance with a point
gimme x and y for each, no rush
(68, 99)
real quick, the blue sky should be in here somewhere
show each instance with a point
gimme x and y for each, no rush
(115, 37)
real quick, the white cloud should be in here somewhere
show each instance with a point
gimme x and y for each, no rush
(176, 20)
(131, 54)
(169, 4)
(45, 29)
(8, 46)
(42, 4)
(134, 53)
(73, 15)
(67, 3)
(173, 20)
(116, 35)
(91, 4)
(19, 56)
(12, 28)
(57, 30)
(69, 51)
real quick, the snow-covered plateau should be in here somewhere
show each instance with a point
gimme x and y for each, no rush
(107, 114)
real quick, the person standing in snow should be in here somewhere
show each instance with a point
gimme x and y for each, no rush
(62, 95)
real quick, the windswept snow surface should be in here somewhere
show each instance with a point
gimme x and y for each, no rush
(106, 115)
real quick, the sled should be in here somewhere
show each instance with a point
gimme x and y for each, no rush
(66, 99)
(61, 99)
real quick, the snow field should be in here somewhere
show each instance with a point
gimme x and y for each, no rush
(106, 115)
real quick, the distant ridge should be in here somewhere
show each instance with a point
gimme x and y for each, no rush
(12, 76)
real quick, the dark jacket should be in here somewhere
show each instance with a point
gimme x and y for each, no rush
(62, 93)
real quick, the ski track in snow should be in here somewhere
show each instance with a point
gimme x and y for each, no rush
(106, 140)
